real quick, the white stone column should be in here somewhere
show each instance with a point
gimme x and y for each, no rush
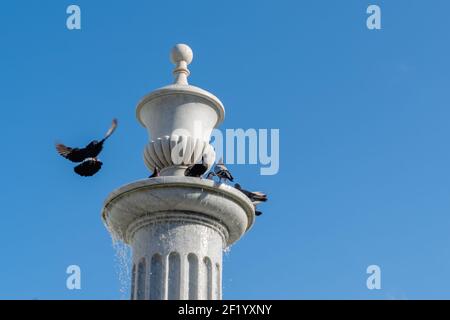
(178, 226)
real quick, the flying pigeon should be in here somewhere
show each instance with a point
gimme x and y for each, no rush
(197, 169)
(255, 197)
(222, 172)
(88, 155)
(155, 173)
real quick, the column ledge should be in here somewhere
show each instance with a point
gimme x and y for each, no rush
(191, 198)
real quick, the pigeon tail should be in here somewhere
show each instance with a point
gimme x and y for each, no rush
(88, 167)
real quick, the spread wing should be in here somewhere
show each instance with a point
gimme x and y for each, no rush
(111, 129)
(72, 154)
(63, 150)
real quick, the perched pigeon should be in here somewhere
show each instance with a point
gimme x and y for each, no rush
(88, 155)
(222, 172)
(255, 197)
(197, 169)
(155, 173)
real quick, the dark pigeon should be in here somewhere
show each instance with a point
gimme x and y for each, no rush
(197, 170)
(90, 165)
(92, 150)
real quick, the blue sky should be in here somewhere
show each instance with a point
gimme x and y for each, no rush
(363, 118)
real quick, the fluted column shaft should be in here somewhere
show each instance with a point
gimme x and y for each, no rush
(182, 255)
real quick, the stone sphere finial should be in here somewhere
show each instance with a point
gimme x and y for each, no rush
(181, 55)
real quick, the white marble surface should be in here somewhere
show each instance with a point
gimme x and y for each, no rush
(179, 115)
(178, 228)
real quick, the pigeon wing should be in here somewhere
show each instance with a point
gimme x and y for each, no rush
(72, 154)
(258, 196)
(111, 129)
